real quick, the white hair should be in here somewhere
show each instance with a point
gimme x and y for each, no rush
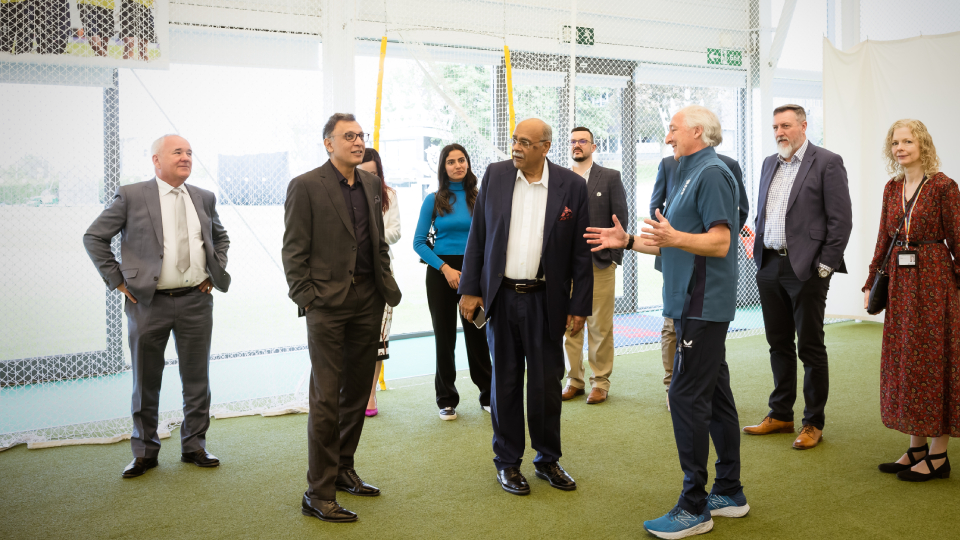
(702, 117)
(155, 147)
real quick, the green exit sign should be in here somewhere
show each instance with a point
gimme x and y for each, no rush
(584, 35)
(725, 57)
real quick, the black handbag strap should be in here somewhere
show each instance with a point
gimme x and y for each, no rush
(883, 266)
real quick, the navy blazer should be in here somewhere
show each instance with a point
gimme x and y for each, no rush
(819, 213)
(565, 255)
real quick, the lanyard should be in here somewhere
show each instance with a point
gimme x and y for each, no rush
(908, 216)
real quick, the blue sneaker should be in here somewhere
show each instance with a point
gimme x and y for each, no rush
(721, 505)
(678, 523)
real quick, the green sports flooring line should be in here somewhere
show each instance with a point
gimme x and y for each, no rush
(438, 479)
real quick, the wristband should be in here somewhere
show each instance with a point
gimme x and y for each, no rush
(630, 242)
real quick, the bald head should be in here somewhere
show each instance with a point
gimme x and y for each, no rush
(172, 159)
(531, 143)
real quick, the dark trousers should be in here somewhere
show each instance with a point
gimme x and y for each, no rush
(51, 25)
(15, 28)
(702, 408)
(343, 352)
(443, 302)
(791, 306)
(190, 318)
(517, 330)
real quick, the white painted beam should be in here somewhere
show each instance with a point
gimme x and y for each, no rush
(780, 38)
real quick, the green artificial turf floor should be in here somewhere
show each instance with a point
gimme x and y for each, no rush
(438, 479)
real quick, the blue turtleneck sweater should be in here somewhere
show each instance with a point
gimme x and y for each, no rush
(452, 228)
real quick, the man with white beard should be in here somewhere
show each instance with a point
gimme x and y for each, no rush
(803, 224)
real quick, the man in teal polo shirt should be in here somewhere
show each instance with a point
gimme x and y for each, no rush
(696, 238)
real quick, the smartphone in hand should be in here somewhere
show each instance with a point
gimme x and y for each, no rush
(479, 317)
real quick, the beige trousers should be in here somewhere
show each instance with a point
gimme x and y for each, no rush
(668, 349)
(599, 329)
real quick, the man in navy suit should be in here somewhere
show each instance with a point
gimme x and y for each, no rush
(525, 251)
(803, 225)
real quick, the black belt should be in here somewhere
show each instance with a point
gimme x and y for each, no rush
(904, 243)
(523, 286)
(182, 291)
(781, 252)
(361, 278)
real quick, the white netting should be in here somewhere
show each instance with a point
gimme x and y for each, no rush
(243, 81)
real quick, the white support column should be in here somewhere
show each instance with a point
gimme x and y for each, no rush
(571, 112)
(850, 23)
(768, 144)
(780, 38)
(338, 57)
(832, 22)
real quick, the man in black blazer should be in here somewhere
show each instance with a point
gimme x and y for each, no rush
(525, 254)
(803, 224)
(662, 188)
(174, 252)
(606, 198)
(338, 268)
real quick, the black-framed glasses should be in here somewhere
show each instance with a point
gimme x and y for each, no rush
(351, 136)
(525, 143)
(581, 142)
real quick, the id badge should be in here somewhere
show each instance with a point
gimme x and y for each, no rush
(907, 259)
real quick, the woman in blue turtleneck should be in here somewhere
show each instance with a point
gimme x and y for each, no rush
(450, 210)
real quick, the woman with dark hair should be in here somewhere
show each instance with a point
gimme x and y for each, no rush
(920, 355)
(448, 213)
(391, 232)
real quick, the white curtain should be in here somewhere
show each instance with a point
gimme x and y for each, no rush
(865, 90)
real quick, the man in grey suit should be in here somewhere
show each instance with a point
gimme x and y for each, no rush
(174, 252)
(804, 221)
(338, 269)
(605, 198)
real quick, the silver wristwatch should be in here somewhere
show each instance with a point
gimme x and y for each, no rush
(825, 270)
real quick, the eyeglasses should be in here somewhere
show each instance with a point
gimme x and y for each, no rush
(351, 136)
(525, 144)
(581, 142)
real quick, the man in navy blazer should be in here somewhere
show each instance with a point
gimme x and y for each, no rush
(524, 253)
(803, 224)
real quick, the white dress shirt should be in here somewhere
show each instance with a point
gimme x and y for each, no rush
(525, 238)
(170, 276)
(586, 174)
(774, 235)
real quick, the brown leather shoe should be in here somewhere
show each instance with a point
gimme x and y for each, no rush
(809, 437)
(769, 425)
(597, 395)
(571, 392)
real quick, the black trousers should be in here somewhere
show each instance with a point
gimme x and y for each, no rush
(702, 408)
(15, 33)
(343, 352)
(190, 318)
(517, 331)
(791, 306)
(443, 302)
(51, 25)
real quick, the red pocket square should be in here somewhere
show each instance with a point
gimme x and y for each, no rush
(567, 214)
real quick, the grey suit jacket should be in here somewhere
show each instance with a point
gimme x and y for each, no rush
(606, 197)
(319, 247)
(135, 214)
(819, 213)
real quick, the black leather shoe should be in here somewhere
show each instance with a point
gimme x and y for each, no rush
(348, 480)
(138, 466)
(201, 458)
(326, 511)
(554, 473)
(512, 481)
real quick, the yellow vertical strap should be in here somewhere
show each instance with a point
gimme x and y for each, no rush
(383, 383)
(376, 120)
(506, 58)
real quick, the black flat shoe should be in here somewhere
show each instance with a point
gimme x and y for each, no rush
(554, 473)
(894, 468)
(138, 466)
(348, 480)
(326, 511)
(941, 472)
(512, 481)
(201, 458)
